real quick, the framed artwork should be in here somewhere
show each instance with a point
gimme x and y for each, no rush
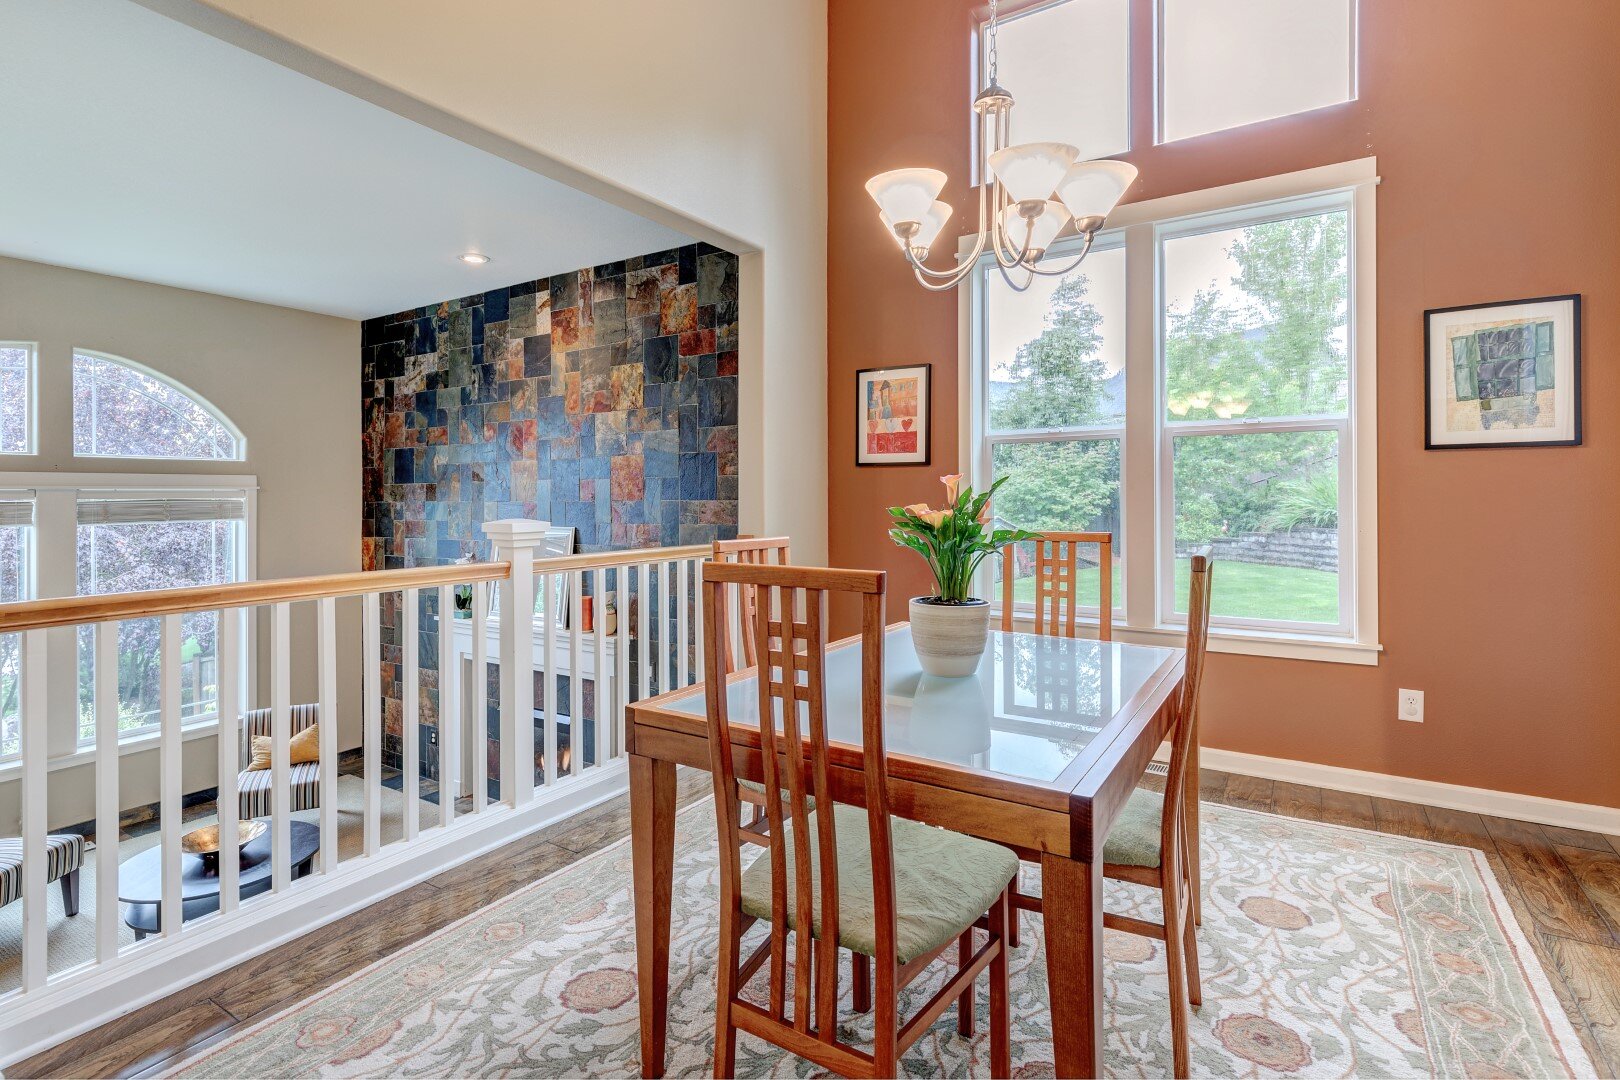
(891, 415)
(1505, 374)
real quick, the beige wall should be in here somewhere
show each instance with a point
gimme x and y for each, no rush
(288, 379)
(716, 111)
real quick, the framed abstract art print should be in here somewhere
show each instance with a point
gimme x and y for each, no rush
(891, 422)
(1506, 374)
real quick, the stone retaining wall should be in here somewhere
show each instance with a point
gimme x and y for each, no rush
(1308, 549)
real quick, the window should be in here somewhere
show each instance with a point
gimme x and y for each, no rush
(1066, 65)
(1257, 404)
(131, 544)
(16, 526)
(1056, 402)
(121, 409)
(1247, 431)
(1225, 63)
(16, 398)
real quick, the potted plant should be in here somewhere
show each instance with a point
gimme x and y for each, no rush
(950, 628)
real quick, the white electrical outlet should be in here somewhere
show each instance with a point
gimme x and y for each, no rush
(1409, 705)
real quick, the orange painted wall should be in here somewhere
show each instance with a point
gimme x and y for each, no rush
(1496, 124)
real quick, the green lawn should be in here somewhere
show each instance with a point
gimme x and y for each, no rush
(1242, 590)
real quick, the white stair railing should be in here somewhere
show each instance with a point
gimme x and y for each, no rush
(618, 626)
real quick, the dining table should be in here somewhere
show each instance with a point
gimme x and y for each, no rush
(1038, 749)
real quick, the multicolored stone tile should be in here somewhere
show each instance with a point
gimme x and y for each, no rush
(604, 400)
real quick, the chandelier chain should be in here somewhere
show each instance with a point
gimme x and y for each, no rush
(991, 59)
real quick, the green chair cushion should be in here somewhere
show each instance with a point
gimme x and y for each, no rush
(1134, 840)
(943, 882)
(759, 789)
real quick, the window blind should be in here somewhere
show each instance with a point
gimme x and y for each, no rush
(177, 508)
(16, 512)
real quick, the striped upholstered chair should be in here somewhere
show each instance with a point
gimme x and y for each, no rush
(254, 784)
(64, 854)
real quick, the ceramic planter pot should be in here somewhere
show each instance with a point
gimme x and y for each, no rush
(949, 636)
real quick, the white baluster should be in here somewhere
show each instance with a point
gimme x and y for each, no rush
(643, 655)
(662, 636)
(169, 824)
(106, 708)
(280, 752)
(371, 637)
(480, 695)
(449, 708)
(515, 541)
(576, 671)
(32, 665)
(682, 568)
(601, 693)
(548, 687)
(411, 706)
(228, 743)
(326, 694)
(621, 660)
(697, 613)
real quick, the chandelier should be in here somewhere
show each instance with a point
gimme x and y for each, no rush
(1028, 194)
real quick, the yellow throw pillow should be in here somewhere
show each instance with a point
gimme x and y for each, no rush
(302, 747)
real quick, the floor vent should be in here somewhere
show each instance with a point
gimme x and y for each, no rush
(1159, 768)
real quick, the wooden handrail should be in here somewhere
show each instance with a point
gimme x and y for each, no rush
(74, 610)
(603, 560)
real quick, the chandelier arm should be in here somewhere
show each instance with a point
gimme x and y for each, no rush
(1084, 251)
(998, 234)
(1029, 279)
(952, 277)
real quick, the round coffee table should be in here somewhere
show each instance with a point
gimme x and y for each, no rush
(140, 880)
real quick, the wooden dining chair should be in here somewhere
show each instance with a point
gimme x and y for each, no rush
(739, 652)
(1057, 602)
(749, 551)
(896, 891)
(1149, 844)
(1057, 565)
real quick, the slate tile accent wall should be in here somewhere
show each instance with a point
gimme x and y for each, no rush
(603, 399)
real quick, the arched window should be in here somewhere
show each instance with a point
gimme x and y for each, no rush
(121, 409)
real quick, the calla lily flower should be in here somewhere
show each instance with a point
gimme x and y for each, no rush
(954, 540)
(953, 485)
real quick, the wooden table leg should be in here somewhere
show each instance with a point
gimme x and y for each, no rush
(1071, 915)
(652, 846)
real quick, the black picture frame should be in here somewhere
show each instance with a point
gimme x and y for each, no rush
(1429, 315)
(926, 427)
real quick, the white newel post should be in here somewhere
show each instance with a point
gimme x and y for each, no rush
(515, 540)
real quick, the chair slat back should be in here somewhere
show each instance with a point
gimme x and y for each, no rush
(749, 551)
(788, 627)
(1057, 598)
(1198, 593)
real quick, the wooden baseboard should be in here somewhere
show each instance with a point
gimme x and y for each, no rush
(1508, 804)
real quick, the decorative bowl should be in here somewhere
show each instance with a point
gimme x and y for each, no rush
(205, 841)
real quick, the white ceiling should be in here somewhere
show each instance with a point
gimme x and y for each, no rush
(133, 145)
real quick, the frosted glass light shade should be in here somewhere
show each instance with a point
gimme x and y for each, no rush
(1036, 239)
(1030, 171)
(906, 195)
(927, 230)
(1092, 188)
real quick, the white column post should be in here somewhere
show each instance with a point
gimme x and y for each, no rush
(515, 540)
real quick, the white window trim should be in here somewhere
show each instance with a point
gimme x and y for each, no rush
(52, 571)
(180, 388)
(31, 410)
(1141, 455)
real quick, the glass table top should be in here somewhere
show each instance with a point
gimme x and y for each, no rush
(1033, 706)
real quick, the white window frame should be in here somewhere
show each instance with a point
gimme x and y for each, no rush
(31, 409)
(1146, 542)
(1159, 67)
(180, 388)
(53, 571)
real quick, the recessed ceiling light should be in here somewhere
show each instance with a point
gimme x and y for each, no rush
(473, 258)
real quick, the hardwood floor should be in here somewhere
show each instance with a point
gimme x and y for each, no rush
(1563, 885)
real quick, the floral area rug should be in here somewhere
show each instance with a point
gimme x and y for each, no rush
(1326, 951)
